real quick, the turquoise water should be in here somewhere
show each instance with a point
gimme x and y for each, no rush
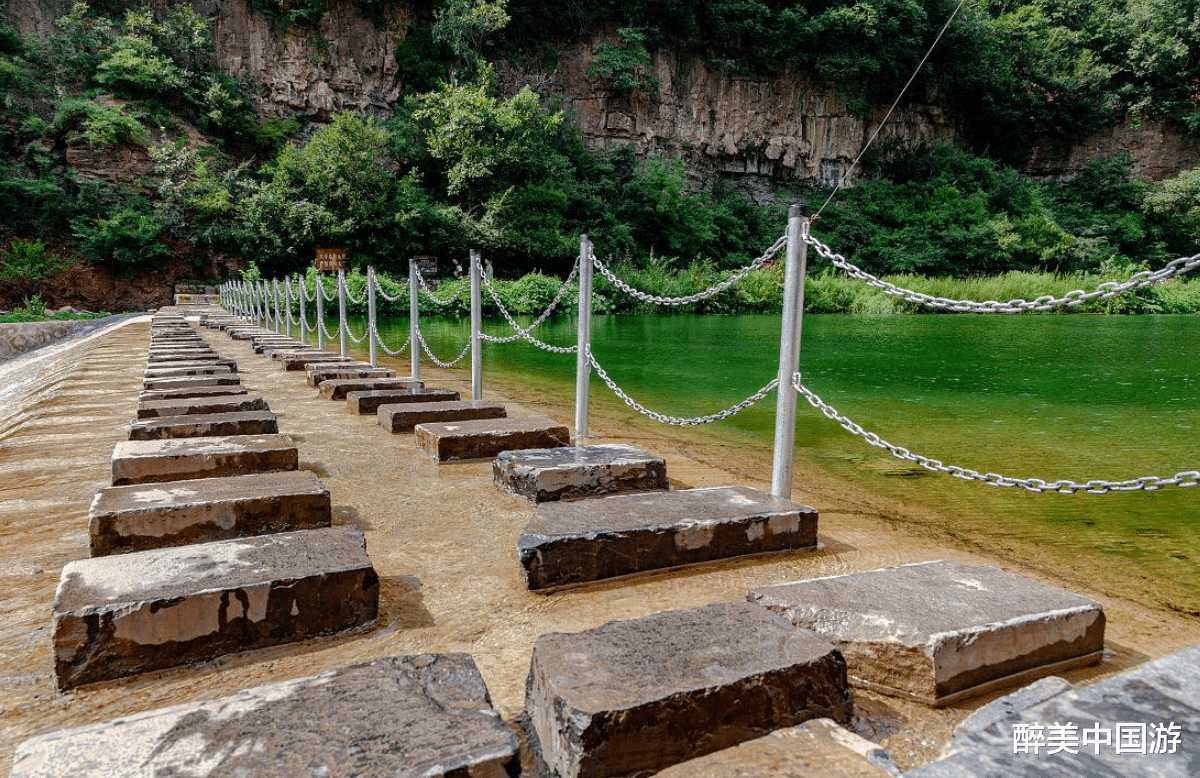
(1077, 397)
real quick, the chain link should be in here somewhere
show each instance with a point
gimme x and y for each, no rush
(712, 291)
(330, 297)
(1044, 303)
(676, 420)
(354, 340)
(524, 333)
(379, 340)
(429, 292)
(350, 296)
(1064, 486)
(379, 291)
(436, 361)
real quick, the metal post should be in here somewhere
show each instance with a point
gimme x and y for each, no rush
(343, 327)
(300, 281)
(287, 304)
(583, 341)
(371, 316)
(320, 312)
(789, 351)
(414, 345)
(278, 315)
(476, 324)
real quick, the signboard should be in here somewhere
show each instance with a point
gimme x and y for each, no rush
(330, 260)
(427, 265)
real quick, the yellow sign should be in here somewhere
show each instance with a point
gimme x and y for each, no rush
(330, 260)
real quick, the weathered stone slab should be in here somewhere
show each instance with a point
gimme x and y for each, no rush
(338, 388)
(485, 438)
(179, 351)
(299, 360)
(147, 461)
(403, 417)
(187, 382)
(1142, 722)
(818, 748)
(116, 616)
(230, 403)
(632, 697)
(263, 345)
(189, 392)
(575, 542)
(178, 372)
(316, 376)
(247, 333)
(423, 716)
(141, 517)
(989, 629)
(571, 472)
(370, 400)
(201, 425)
(231, 364)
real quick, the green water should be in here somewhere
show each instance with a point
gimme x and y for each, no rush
(1077, 397)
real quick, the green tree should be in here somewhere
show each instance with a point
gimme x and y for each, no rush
(625, 66)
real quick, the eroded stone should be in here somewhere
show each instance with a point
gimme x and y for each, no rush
(570, 472)
(338, 388)
(318, 375)
(147, 461)
(189, 392)
(361, 402)
(201, 425)
(403, 417)
(186, 370)
(448, 441)
(230, 403)
(187, 382)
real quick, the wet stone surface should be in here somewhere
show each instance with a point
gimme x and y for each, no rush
(121, 615)
(632, 697)
(448, 441)
(360, 402)
(575, 542)
(403, 417)
(338, 388)
(208, 404)
(177, 372)
(571, 472)
(185, 382)
(191, 392)
(943, 631)
(316, 376)
(200, 425)
(140, 517)
(144, 461)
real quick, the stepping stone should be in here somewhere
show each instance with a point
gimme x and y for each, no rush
(403, 417)
(345, 363)
(180, 372)
(1141, 722)
(989, 629)
(370, 400)
(817, 749)
(202, 425)
(193, 405)
(140, 517)
(191, 392)
(315, 377)
(337, 388)
(298, 360)
(248, 333)
(570, 472)
(201, 349)
(486, 438)
(116, 616)
(230, 364)
(633, 697)
(576, 542)
(423, 716)
(262, 346)
(188, 382)
(147, 461)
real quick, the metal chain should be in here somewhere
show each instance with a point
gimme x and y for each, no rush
(713, 290)
(436, 361)
(429, 292)
(676, 420)
(354, 340)
(540, 344)
(1044, 303)
(379, 339)
(379, 291)
(350, 295)
(524, 332)
(330, 297)
(1064, 486)
(329, 335)
(304, 291)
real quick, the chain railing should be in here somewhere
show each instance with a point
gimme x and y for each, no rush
(1044, 303)
(390, 298)
(454, 363)
(712, 291)
(378, 336)
(429, 292)
(524, 333)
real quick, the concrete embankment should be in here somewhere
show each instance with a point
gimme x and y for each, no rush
(21, 337)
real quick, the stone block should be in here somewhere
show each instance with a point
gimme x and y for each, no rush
(485, 438)
(202, 425)
(116, 616)
(423, 716)
(189, 392)
(940, 632)
(247, 333)
(403, 417)
(187, 382)
(570, 472)
(338, 388)
(818, 748)
(360, 402)
(178, 372)
(576, 542)
(232, 403)
(149, 461)
(318, 375)
(140, 517)
(262, 345)
(300, 360)
(179, 353)
(630, 698)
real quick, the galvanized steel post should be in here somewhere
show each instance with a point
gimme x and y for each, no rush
(278, 315)
(343, 325)
(303, 322)
(287, 304)
(789, 351)
(371, 316)
(476, 324)
(414, 314)
(320, 287)
(583, 341)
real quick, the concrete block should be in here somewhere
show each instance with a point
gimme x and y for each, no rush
(187, 382)
(403, 417)
(633, 697)
(189, 392)
(148, 461)
(202, 425)
(140, 517)
(940, 632)
(231, 403)
(1141, 722)
(818, 748)
(570, 472)
(116, 616)
(338, 388)
(177, 372)
(370, 400)
(576, 542)
(485, 438)
(317, 375)
(423, 716)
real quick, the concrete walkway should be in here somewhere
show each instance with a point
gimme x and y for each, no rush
(442, 538)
